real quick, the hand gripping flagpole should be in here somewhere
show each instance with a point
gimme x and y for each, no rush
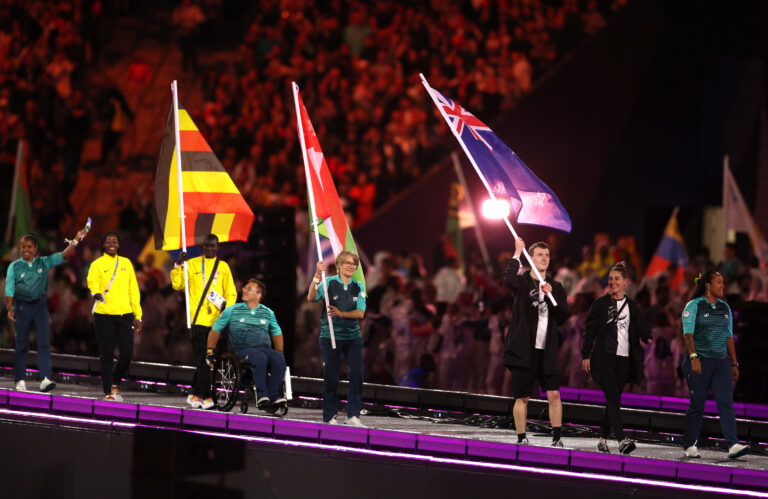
(314, 223)
(182, 216)
(485, 182)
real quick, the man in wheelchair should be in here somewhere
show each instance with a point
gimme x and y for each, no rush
(253, 330)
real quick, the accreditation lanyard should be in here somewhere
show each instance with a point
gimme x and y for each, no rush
(117, 262)
(207, 303)
(203, 259)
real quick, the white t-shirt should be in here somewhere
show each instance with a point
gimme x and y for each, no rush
(622, 329)
(541, 328)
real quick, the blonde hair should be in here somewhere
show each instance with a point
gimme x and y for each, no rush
(341, 256)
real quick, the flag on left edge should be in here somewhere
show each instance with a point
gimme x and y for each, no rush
(212, 203)
(22, 212)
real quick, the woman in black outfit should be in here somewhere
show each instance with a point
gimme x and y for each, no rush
(612, 352)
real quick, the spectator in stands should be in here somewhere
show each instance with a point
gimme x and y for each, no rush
(731, 266)
(612, 353)
(187, 19)
(662, 359)
(449, 281)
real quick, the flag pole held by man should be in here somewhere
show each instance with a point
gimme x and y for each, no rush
(197, 203)
(502, 172)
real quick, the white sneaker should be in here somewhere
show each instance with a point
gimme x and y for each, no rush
(195, 401)
(116, 394)
(333, 420)
(47, 385)
(737, 450)
(206, 403)
(355, 421)
(21, 385)
(692, 451)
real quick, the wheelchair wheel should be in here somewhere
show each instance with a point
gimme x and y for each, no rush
(243, 406)
(225, 381)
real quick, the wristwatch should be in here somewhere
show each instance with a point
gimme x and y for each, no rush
(694, 355)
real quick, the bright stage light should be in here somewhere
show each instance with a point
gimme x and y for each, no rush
(495, 209)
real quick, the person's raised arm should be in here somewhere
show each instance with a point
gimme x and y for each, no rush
(509, 277)
(314, 286)
(69, 250)
(177, 273)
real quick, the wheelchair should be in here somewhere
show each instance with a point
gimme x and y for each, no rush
(232, 383)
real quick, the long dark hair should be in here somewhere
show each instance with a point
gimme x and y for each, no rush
(701, 282)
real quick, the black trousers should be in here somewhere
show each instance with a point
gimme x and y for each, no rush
(201, 382)
(108, 328)
(612, 379)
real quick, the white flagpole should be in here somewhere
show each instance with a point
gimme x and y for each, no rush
(313, 222)
(12, 209)
(480, 174)
(478, 231)
(175, 92)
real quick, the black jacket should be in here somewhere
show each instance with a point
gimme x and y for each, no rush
(600, 328)
(521, 335)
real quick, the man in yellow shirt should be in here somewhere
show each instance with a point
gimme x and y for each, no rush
(204, 310)
(117, 312)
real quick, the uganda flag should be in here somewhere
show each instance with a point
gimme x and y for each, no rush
(212, 203)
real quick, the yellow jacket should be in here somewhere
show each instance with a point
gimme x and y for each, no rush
(123, 295)
(223, 283)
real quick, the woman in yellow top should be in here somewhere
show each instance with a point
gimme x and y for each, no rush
(117, 311)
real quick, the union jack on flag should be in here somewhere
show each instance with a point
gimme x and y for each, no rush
(460, 118)
(532, 201)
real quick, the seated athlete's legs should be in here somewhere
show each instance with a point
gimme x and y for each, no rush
(276, 363)
(258, 359)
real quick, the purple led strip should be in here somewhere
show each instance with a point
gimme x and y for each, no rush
(414, 457)
(68, 419)
(480, 464)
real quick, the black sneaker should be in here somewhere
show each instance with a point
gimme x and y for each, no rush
(602, 446)
(626, 446)
(263, 403)
(558, 443)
